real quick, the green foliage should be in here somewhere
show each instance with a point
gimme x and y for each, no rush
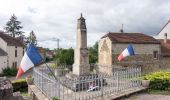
(52, 65)
(13, 26)
(9, 71)
(20, 85)
(159, 80)
(93, 53)
(32, 38)
(65, 56)
(25, 94)
(55, 98)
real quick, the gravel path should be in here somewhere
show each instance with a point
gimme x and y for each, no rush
(145, 96)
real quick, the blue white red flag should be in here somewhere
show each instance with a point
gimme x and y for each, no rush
(30, 59)
(127, 52)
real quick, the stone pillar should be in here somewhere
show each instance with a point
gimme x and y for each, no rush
(81, 64)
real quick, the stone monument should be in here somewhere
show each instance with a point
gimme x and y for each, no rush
(81, 64)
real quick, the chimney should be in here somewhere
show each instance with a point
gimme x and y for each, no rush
(165, 37)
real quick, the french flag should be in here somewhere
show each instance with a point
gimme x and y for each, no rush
(30, 59)
(127, 52)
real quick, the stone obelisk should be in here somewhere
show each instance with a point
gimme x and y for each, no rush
(81, 64)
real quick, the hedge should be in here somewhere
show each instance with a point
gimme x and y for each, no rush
(9, 71)
(20, 85)
(159, 80)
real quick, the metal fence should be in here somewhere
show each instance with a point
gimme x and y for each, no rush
(85, 87)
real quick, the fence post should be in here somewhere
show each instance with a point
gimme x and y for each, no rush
(42, 80)
(101, 85)
(59, 86)
(118, 80)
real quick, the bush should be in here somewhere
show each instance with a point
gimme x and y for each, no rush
(9, 71)
(20, 85)
(54, 98)
(159, 80)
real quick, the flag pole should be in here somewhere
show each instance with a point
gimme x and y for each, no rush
(50, 70)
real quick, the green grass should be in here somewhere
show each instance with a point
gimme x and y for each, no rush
(19, 80)
(162, 92)
(25, 94)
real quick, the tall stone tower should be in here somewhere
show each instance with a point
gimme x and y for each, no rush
(81, 58)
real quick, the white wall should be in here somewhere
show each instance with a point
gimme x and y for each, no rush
(165, 30)
(3, 62)
(11, 55)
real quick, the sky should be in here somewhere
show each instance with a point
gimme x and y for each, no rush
(57, 19)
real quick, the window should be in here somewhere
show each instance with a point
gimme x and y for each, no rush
(15, 51)
(155, 54)
(14, 64)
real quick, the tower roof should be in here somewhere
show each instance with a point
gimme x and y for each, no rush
(81, 17)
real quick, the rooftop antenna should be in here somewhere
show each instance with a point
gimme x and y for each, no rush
(81, 15)
(121, 30)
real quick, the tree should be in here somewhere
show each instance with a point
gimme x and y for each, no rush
(65, 56)
(13, 27)
(93, 53)
(32, 38)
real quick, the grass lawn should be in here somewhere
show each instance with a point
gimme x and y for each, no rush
(25, 94)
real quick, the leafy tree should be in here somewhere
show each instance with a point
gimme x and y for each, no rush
(32, 38)
(13, 27)
(65, 56)
(93, 53)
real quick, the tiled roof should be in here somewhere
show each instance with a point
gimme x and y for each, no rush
(137, 38)
(3, 53)
(165, 47)
(10, 40)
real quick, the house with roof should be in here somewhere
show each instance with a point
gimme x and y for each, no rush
(163, 36)
(11, 51)
(146, 48)
(164, 32)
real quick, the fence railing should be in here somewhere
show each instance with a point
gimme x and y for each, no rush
(85, 87)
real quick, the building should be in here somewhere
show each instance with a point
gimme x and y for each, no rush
(164, 32)
(11, 50)
(112, 44)
(42, 52)
(3, 59)
(164, 37)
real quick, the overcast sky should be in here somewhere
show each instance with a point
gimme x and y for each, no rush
(52, 19)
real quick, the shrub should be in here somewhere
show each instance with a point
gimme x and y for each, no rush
(20, 85)
(9, 71)
(54, 98)
(159, 80)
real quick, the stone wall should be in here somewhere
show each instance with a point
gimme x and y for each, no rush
(104, 52)
(165, 62)
(117, 48)
(6, 90)
(108, 53)
(104, 55)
